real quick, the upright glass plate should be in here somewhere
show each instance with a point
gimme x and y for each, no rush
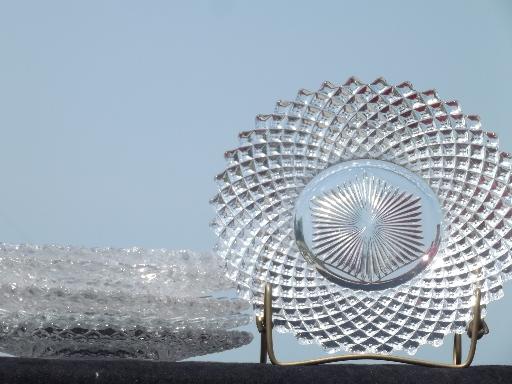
(375, 211)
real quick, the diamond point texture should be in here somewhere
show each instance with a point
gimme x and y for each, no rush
(418, 131)
(76, 302)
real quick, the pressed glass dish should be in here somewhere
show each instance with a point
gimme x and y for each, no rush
(116, 303)
(374, 210)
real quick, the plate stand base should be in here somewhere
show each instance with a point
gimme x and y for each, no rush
(476, 329)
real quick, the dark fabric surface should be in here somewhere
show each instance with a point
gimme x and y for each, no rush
(19, 370)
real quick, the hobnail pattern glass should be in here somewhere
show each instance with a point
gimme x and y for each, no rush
(414, 131)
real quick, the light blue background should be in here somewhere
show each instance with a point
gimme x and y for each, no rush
(114, 115)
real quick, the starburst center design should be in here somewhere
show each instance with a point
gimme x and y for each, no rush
(367, 228)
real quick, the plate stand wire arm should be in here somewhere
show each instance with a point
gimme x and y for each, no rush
(476, 329)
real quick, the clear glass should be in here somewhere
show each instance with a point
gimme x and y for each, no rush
(116, 303)
(417, 132)
(368, 224)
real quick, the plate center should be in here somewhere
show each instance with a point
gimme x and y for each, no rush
(368, 224)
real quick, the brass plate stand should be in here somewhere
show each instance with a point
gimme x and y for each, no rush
(476, 329)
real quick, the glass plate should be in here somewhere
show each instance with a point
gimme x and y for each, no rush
(115, 303)
(373, 210)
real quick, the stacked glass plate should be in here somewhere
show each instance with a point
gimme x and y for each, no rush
(116, 303)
